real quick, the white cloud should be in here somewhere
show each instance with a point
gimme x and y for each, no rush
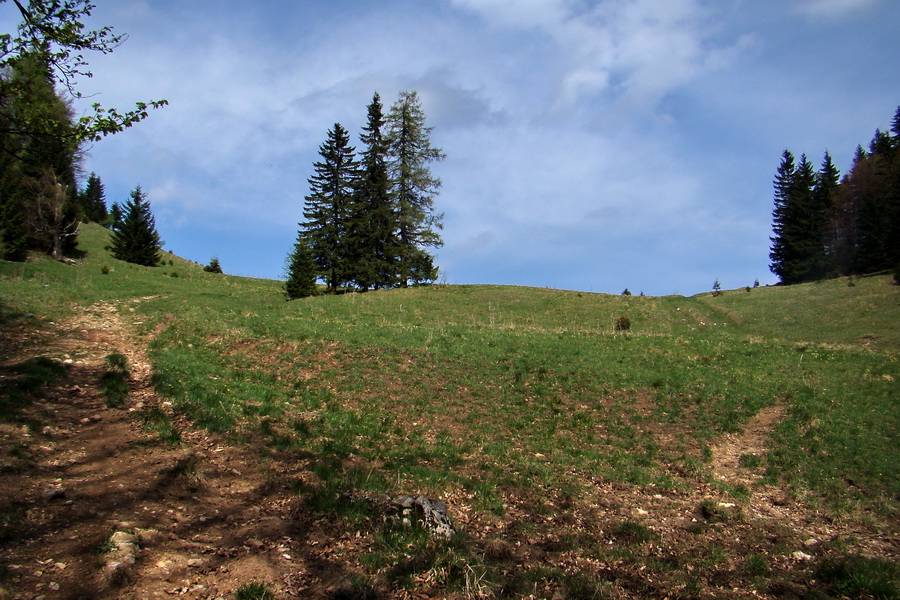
(631, 52)
(834, 8)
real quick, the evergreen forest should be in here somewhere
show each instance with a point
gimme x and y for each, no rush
(826, 226)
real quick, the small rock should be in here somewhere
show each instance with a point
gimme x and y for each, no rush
(53, 493)
(810, 542)
(800, 555)
(195, 562)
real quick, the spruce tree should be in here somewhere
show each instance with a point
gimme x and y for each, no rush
(93, 200)
(372, 232)
(301, 271)
(822, 240)
(135, 239)
(327, 208)
(781, 251)
(414, 188)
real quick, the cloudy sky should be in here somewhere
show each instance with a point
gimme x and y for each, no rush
(591, 144)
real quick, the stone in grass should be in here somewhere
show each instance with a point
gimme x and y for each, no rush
(431, 514)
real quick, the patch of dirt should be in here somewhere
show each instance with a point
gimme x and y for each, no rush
(210, 516)
(751, 442)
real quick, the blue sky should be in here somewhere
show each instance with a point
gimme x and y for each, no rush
(591, 145)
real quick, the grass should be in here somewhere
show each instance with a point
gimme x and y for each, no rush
(506, 395)
(254, 591)
(861, 577)
(114, 381)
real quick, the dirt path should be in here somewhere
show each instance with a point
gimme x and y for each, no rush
(209, 517)
(753, 441)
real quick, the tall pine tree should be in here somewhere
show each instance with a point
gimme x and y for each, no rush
(822, 242)
(781, 252)
(414, 188)
(327, 208)
(135, 239)
(372, 233)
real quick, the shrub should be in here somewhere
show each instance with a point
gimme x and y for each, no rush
(213, 266)
(623, 324)
(105, 270)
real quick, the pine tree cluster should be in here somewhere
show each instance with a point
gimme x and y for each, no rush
(369, 218)
(825, 226)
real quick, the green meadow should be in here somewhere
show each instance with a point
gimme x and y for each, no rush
(506, 395)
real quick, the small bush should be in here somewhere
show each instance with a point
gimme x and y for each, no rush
(623, 324)
(213, 266)
(105, 270)
(626, 292)
(174, 274)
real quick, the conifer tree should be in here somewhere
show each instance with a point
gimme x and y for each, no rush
(93, 200)
(327, 208)
(414, 188)
(781, 252)
(822, 243)
(135, 239)
(41, 163)
(372, 232)
(301, 271)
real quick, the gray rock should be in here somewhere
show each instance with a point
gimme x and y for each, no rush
(53, 493)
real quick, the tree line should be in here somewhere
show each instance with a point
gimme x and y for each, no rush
(370, 220)
(826, 226)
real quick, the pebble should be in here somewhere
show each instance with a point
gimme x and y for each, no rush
(800, 555)
(53, 493)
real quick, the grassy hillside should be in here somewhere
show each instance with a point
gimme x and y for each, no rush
(517, 401)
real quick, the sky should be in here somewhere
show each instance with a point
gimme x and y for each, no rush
(591, 145)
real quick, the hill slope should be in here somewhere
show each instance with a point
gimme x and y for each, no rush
(693, 454)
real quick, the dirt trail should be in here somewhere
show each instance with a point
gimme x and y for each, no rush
(210, 517)
(752, 441)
